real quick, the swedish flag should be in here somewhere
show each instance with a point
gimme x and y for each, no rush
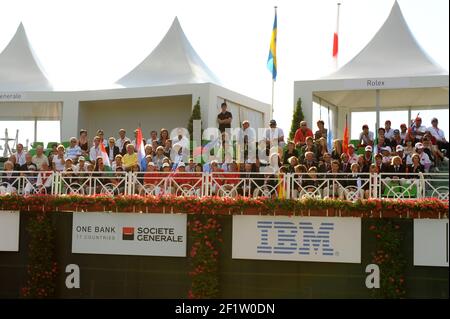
(272, 60)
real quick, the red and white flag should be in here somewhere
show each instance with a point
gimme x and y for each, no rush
(105, 156)
(336, 36)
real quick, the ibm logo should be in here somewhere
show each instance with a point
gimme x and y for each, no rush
(287, 241)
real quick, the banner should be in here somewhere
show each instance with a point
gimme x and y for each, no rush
(129, 234)
(9, 230)
(297, 238)
(431, 242)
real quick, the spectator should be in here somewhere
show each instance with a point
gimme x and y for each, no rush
(400, 151)
(309, 147)
(95, 150)
(83, 142)
(52, 153)
(389, 132)
(396, 139)
(352, 156)
(363, 166)
(20, 154)
(415, 166)
(403, 132)
(101, 135)
(439, 135)
(289, 152)
(301, 134)
(274, 136)
(163, 136)
(153, 137)
(365, 137)
(325, 165)
(59, 160)
(28, 165)
(68, 165)
(13, 161)
(130, 160)
(337, 150)
(322, 148)
(381, 143)
(8, 179)
(181, 139)
(74, 150)
(124, 148)
(247, 140)
(322, 131)
(120, 142)
(167, 148)
(380, 166)
(368, 155)
(159, 157)
(292, 161)
(112, 150)
(397, 167)
(417, 129)
(40, 157)
(309, 160)
(224, 118)
(424, 158)
(409, 148)
(82, 165)
(386, 153)
(345, 164)
(45, 179)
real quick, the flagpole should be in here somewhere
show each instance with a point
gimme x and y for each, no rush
(273, 80)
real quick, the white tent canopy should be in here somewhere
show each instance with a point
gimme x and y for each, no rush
(20, 69)
(391, 72)
(173, 61)
(160, 91)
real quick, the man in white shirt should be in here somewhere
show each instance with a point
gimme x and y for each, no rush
(39, 159)
(95, 150)
(121, 140)
(274, 135)
(418, 130)
(352, 156)
(366, 136)
(20, 155)
(389, 132)
(439, 135)
(181, 140)
(403, 131)
(247, 141)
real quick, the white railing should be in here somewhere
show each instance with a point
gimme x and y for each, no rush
(229, 184)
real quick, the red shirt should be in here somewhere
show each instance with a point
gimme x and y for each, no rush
(300, 137)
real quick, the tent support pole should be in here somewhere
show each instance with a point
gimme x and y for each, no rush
(377, 104)
(35, 129)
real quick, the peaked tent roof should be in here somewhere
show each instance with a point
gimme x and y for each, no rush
(20, 69)
(392, 52)
(173, 61)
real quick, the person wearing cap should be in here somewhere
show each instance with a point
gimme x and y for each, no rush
(439, 135)
(39, 158)
(396, 139)
(417, 129)
(386, 153)
(388, 131)
(81, 165)
(365, 137)
(274, 136)
(112, 150)
(352, 156)
(224, 118)
(69, 164)
(400, 151)
(301, 134)
(423, 157)
(368, 155)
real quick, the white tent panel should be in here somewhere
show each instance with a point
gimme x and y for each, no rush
(30, 110)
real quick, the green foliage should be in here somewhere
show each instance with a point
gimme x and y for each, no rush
(296, 119)
(388, 257)
(205, 233)
(42, 267)
(196, 115)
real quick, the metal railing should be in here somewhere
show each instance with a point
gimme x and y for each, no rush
(229, 184)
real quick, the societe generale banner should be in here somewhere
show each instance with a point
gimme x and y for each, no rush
(129, 234)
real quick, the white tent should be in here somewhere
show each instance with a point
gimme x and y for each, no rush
(391, 72)
(159, 92)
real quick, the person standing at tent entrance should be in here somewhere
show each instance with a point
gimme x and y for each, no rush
(224, 118)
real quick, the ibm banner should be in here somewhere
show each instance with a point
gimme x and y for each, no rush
(431, 242)
(297, 238)
(9, 230)
(129, 234)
